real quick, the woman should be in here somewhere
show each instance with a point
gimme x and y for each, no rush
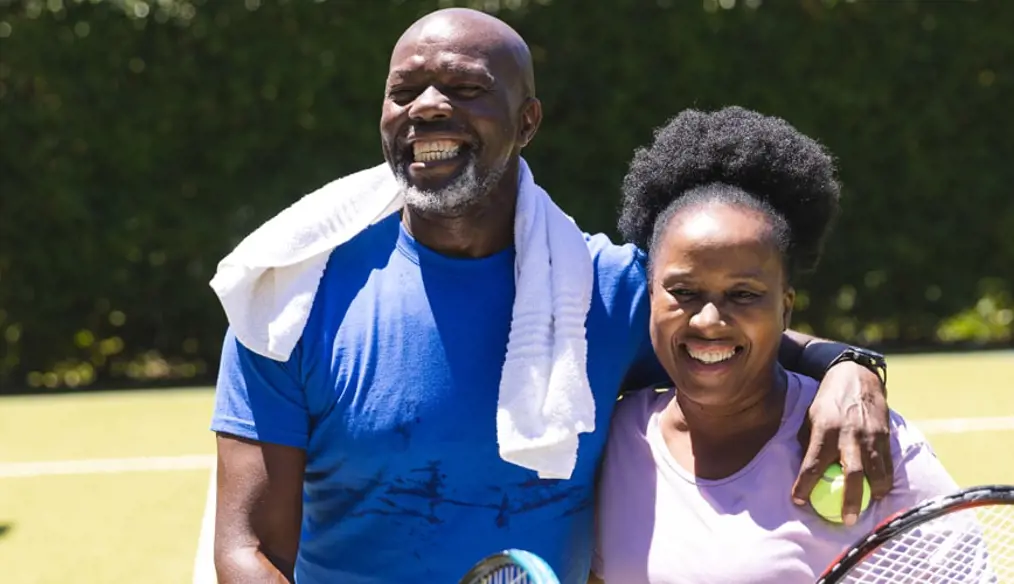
(731, 205)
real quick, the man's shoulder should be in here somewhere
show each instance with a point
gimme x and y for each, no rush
(376, 241)
(613, 260)
(351, 266)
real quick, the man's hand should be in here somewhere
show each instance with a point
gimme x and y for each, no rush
(848, 422)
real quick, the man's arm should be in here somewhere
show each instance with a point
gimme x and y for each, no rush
(260, 505)
(807, 355)
(262, 425)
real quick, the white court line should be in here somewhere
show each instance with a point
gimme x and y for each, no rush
(207, 461)
(963, 425)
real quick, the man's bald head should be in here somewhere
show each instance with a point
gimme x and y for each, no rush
(476, 32)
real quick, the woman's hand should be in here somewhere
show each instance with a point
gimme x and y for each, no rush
(848, 422)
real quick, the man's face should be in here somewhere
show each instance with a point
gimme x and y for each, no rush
(449, 124)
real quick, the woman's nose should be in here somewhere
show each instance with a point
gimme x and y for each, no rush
(707, 317)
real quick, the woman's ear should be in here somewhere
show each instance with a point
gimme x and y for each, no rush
(788, 301)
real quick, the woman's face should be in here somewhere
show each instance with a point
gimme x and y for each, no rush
(719, 302)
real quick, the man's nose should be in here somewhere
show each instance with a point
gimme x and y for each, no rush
(430, 105)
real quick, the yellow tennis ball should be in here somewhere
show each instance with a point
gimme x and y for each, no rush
(826, 498)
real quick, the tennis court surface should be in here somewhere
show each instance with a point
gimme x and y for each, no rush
(109, 487)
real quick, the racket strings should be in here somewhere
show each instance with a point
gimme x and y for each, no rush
(508, 574)
(971, 545)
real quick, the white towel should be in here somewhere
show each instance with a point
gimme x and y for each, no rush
(267, 285)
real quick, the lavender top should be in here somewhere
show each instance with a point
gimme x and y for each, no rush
(657, 523)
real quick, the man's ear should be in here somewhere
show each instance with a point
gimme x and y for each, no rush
(789, 300)
(531, 119)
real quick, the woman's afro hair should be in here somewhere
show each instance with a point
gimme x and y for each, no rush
(761, 156)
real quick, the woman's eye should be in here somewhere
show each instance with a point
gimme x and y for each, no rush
(745, 296)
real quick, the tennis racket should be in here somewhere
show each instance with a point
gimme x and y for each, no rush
(511, 567)
(964, 537)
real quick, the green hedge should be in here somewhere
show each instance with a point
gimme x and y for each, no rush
(140, 141)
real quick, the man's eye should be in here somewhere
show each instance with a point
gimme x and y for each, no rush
(401, 95)
(469, 90)
(681, 293)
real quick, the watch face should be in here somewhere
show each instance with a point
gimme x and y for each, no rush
(868, 353)
(871, 360)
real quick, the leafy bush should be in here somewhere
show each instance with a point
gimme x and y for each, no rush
(142, 139)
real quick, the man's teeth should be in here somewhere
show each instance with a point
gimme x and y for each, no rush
(435, 150)
(711, 357)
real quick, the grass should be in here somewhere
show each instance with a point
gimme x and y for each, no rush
(108, 528)
(143, 526)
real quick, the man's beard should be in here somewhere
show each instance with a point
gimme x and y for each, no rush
(468, 187)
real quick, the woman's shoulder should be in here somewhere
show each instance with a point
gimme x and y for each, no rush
(918, 473)
(905, 436)
(635, 408)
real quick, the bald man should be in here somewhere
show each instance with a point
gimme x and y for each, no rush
(370, 456)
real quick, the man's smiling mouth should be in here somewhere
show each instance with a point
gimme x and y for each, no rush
(434, 150)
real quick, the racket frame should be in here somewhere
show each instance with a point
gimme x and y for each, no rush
(538, 570)
(908, 519)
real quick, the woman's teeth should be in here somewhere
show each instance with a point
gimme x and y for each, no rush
(435, 150)
(711, 357)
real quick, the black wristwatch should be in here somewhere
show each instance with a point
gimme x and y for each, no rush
(871, 360)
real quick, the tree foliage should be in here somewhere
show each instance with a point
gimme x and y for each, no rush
(140, 140)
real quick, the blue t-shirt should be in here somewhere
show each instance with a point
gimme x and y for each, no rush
(392, 391)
